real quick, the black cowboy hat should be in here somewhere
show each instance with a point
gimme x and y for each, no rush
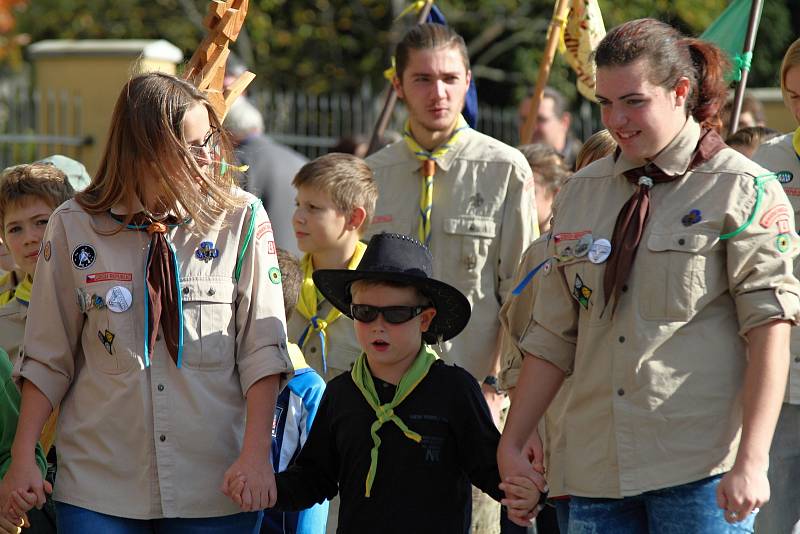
(402, 259)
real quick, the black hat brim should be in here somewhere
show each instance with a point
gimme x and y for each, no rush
(452, 307)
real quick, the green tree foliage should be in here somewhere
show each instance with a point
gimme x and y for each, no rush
(343, 45)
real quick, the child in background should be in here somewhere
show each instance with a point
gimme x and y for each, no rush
(294, 413)
(336, 197)
(747, 140)
(403, 436)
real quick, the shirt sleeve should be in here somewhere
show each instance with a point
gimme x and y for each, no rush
(312, 478)
(260, 322)
(760, 256)
(520, 225)
(476, 436)
(55, 323)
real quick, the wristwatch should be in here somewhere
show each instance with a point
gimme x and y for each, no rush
(492, 382)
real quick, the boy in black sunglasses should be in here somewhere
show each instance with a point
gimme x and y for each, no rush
(402, 436)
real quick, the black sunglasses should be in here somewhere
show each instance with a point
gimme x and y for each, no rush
(392, 314)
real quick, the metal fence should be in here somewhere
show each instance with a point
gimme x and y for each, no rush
(34, 125)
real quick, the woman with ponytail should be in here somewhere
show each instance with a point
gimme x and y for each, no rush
(782, 155)
(668, 296)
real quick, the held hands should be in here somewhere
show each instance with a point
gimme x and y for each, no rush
(250, 483)
(22, 489)
(523, 481)
(742, 491)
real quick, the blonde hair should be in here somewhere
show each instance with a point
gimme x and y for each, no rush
(346, 179)
(599, 145)
(146, 139)
(547, 165)
(21, 183)
(790, 59)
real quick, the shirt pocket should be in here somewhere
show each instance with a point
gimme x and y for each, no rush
(109, 337)
(682, 267)
(475, 235)
(209, 323)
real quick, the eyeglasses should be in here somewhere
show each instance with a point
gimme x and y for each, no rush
(392, 314)
(208, 145)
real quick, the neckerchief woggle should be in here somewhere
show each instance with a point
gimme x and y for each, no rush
(428, 159)
(309, 299)
(385, 412)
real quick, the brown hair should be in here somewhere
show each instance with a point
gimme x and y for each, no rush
(751, 136)
(146, 139)
(599, 145)
(671, 56)
(790, 59)
(291, 280)
(366, 283)
(547, 165)
(346, 179)
(35, 180)
(749, 104)
(425, 37)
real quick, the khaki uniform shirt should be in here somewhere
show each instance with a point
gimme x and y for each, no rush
(778, 155)
(12, 327)
(151, 442)
(483, 218)
(655, 399)
(342, 348)
(515, 316)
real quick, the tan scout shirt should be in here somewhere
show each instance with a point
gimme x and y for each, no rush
(778, 155)
(655, 394)
(151, 442)
(515, 316)
(12, 327)
(342, 348)
(484, 217)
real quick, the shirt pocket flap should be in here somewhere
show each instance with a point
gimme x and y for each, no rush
(471, 226)
(220, 291)
(682, 242)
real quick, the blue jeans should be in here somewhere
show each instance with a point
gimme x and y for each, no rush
(685, 509)
(76, 520)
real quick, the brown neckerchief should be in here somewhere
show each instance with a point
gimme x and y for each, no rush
(632, 218)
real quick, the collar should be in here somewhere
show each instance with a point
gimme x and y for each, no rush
(445, 161)
(674, 159)
(121, 209)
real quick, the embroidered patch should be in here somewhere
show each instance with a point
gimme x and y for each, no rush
(792, 191)
(118, 299)
(784, 177)
(581, 292)
(206, 251)
(108, 276)
(88, 302)
(582, 248)
(476, 200)
(47, 251)
(382, 219)
(263, 228)
(83, 256)
(776, 213)
(570, 236)
(107, 338)
(693, 217)
(782, 242)
(275, 275)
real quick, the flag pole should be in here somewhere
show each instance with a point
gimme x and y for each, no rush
(749, 44)
(553, 38)
(391, 95)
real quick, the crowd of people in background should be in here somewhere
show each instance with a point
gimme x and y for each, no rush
(214, 334)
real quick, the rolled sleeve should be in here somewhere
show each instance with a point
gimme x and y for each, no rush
(760, 259)
(260, 323)
(54, 325)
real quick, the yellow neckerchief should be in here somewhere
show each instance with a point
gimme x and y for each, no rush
(309, 300)
(9, 284)
(385, 412)
(296, 355)
(796, 142)
(428, 170)
(23, 291)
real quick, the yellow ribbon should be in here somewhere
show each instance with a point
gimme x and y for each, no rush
(309, 299)
(796, 142)
(415, 7)
(428, 170)
(391, 72)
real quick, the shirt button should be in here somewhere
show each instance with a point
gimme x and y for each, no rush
(162, 438)
(681, 241)
(161, 387)
(620, 392)
(624, 288)
(622, 339)
(185, 290)
(211, 291)
(158, 337)
(313, 349)
(797, 359)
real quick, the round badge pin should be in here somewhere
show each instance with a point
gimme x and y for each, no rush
(118, 299)
(83, 256)
(782, 242)
(47, 251)
(599, 251)
(548, 266)
(275, 275)
(582, 248)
